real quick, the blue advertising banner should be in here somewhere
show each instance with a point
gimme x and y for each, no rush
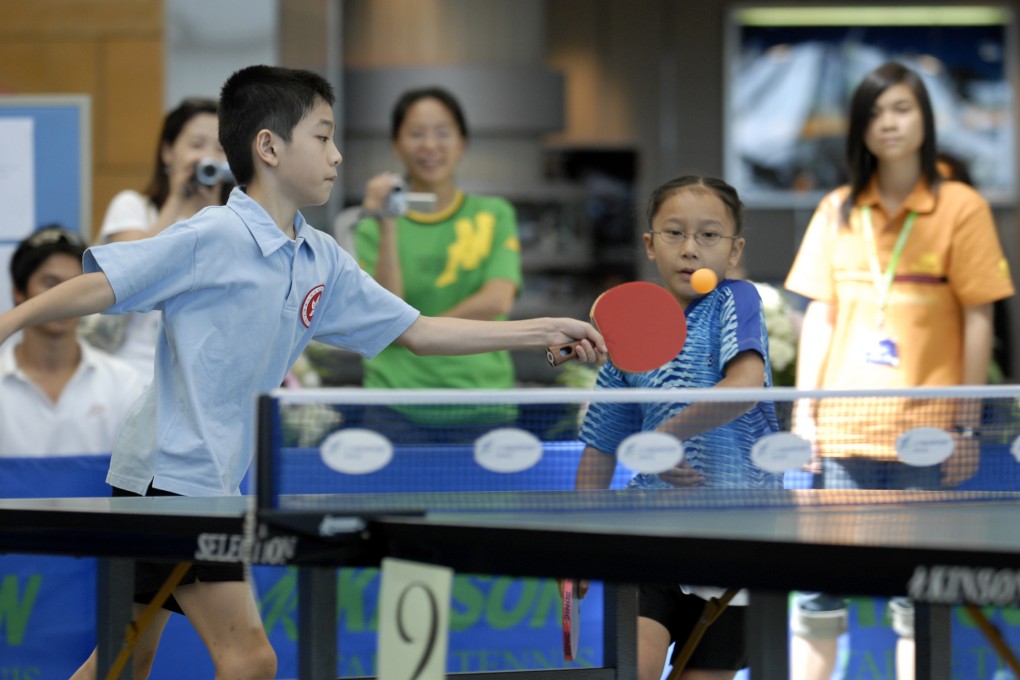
(496, 623)
(47, 612)
(47, 622)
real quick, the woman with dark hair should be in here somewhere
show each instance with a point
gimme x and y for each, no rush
(458, 257)
(175, 192)
(906, 136)
(189, 136)
(902, 269)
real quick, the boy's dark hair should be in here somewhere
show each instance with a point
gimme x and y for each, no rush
(860, 161)
(725, 193)
(32, 252)
(412, 97)
(173, 125)
(264, 97)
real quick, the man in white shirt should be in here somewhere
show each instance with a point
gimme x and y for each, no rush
(58, 395)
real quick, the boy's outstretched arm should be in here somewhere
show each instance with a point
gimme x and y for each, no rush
(435, 335)
(80, 296)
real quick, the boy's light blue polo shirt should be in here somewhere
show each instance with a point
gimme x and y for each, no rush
(240, 301)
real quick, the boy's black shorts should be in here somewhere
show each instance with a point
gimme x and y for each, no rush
(150, 576)
(721, 648)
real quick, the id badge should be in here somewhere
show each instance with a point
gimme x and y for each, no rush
(883, 351)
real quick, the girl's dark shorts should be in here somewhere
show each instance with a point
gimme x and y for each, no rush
(150, 576)
(722, 646)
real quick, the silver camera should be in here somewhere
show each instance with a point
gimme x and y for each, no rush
(211, 172)
(400, 200)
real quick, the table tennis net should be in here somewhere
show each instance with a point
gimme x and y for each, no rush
(357, 450)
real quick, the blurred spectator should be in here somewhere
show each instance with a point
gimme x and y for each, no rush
(951, 167)
(58, 395)
(458, 256)
(190, 135)
(902, 269)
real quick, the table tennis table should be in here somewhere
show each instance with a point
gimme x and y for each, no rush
(941, 554)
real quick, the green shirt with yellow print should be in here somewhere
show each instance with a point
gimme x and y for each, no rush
(446, 257)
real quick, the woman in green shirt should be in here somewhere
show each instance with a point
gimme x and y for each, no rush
(460, 259)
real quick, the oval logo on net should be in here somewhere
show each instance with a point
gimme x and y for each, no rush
(781, 452)
(507, 450)
(650, 452)
(924, 446)
(356, 451)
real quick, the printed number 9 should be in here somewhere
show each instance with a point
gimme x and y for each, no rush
(427, 644)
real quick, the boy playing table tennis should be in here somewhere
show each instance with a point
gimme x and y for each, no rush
(694, 223)
(243, 288)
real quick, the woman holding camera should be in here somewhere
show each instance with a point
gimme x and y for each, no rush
(190, 136)
(458, 256)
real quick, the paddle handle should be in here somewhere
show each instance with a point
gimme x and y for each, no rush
(557, 354)
(570, 620)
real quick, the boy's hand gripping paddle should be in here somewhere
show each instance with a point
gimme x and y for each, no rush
(571, 619)
(643, 324)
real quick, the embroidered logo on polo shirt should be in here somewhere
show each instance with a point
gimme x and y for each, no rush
(310, 303)
(927, 263)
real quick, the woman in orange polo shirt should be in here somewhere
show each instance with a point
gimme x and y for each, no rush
(902, 269)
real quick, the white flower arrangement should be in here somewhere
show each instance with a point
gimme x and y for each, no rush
(304, 373)
(783, 325)
(305, 425)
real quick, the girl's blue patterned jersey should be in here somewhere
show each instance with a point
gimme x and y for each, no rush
(720, 325)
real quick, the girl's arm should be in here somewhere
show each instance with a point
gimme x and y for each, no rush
(387, 265)
(80, 296)
(813, 344)
(978, 332)
(977, 343)
(747, 369)
(185, 198)
(595, 469)
(812, 353)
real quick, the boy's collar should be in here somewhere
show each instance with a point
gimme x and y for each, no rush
(262, 227)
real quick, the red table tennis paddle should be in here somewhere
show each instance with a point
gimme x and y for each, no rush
(643, 324)
(571, 619)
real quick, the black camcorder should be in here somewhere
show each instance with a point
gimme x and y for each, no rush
(211, 172)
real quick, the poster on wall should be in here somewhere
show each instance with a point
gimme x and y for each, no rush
(17, 177)
(791, 72)
(45, 170)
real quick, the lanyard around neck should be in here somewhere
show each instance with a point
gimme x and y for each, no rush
(883, 281)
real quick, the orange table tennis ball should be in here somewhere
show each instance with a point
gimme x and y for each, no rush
(704, 281)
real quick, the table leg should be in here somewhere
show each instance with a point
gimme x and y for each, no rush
(317, 625)
(115, 586)
(933, 652)
(619, 629)
(768, 640)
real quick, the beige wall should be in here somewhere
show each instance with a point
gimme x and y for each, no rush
(646, 73)
(111, 50)
(381, 33)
